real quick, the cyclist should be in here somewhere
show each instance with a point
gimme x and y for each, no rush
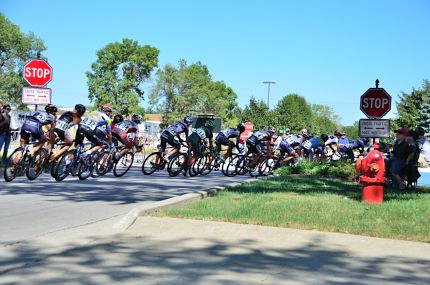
(311, 145)
(63, 124)
(40, 126)
(124, 131)
(96, 127)
(223, 138)
(257, 141)
(168, 135)
(288, 145)
(330, 144)
(197, 141)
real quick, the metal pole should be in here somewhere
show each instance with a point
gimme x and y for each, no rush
(268, 91)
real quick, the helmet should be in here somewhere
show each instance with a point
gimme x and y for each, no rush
(241, 128)
(188, 120)
(420, 130)
(210, 123)
(118, 119)
(136, 118)
(80, 109)
(365, 140)
(106, 108)
(51, 108)
(307, 135)
(324, 137)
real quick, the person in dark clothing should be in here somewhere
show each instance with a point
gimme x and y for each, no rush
(5, 132)
(400, 155)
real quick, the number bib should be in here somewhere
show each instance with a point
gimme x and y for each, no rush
(201, 133)
(88, 123)
(290, 140)
(307, 144)
(61, 125)
(40, 117)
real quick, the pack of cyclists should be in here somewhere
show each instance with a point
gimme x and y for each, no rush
(103, 129)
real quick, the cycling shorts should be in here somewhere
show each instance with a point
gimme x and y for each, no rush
(168, 138)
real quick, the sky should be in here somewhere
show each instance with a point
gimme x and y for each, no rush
(330, 52)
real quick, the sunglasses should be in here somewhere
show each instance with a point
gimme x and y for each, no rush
(8, 109)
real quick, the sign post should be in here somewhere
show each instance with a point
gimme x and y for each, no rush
(38, 73)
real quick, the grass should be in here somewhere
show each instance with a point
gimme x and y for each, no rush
(316, 203)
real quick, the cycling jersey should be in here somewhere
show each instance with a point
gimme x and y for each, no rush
(65, 122)
(34, 125)
(97, 120)
(197, 139)
(332, 140)
(125, 132)
(261, 136)
(178, 128)
(293, 140)
(231, 133)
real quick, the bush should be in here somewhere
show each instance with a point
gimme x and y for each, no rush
(337, 169)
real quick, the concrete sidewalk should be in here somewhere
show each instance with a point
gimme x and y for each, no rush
(174, 251)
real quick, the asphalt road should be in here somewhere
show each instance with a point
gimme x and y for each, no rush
(31, 209)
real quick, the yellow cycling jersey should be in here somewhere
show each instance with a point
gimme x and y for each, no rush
(97, 119)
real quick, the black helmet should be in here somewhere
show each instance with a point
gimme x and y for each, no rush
(136, 118)
(118, 119)
(241, 128)
(420, 130)
(365, 141)
(80, 109)
(324, 137)
(51, 108)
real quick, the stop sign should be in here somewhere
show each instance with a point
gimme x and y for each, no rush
(375, 102)
(37, 72)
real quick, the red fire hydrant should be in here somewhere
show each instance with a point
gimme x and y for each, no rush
(372, 176)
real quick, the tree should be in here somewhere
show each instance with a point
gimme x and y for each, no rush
(294, 112)
(424, 109)
(352, 132)
(258, 113)
(118, 75)
(324, 120)
(408, 108)
(16, 48)
(189, 89)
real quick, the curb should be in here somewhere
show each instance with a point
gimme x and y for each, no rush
(134, 213)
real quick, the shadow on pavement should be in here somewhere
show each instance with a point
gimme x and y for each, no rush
(145, 260)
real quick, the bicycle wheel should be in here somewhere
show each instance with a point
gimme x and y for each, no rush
(257, 169)
(226, 163)
(177, 164)
(123, 164)
(103, 163)
(206, 164)
(86, 166)
(13, 165)
(241, 164)
(35, 166)
(152, 163)
(232, 166)
(64, 165)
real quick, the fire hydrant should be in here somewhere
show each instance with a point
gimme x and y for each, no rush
(372, 176)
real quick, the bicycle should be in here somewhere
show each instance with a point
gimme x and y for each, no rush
(154, 162)
(179, 163)
(18, 162)
(68, 163)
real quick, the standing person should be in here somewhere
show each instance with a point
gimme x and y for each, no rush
(5, 132)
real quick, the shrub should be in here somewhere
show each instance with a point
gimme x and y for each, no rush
(338, 169)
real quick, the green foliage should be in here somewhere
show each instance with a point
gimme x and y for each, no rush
(337, 169)
(189, 89)
(324, 120)
(424, 110)
(258, 113)
(352, 132)
(293, 112)
(16, 48)
(118, 75)
(409, 107)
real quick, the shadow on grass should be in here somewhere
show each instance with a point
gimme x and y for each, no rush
(147, 260)
(316, 185)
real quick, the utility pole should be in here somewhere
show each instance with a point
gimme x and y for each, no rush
(268, 90)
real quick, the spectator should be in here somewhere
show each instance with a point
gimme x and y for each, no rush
(423, 144)
(5, 132)
(400, 154)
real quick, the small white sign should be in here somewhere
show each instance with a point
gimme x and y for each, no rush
(36, 96)
(374, 128)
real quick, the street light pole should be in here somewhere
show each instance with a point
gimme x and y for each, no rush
(268, 90)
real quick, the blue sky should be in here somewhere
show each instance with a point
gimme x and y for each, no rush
(330, 52)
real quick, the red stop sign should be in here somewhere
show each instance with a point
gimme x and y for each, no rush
(37, 72)
(375, 102)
